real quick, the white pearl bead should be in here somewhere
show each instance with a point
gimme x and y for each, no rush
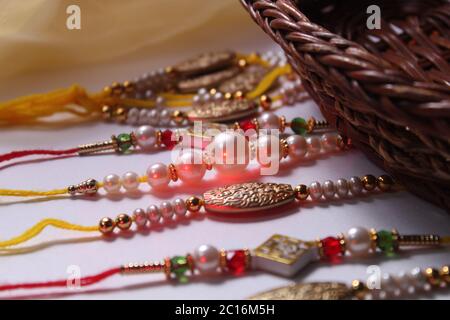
(269, 120)
(179, 207)
(190, 167)
(356, 185)
(133, 116)
(202, 91)
(342, 188)
(358, 241)
(140, 217)
(130, 181)
(314, 145)
(145, 137)
(297, 146)
(328, 141)
(143, 117)
(164, 117)
(153, 214)
(315, 190)
(268, 150)
(230, 152)
(153, 117)
(111, 183)
(166, 210)
(328, 189)
(206, 258)
(158, 176)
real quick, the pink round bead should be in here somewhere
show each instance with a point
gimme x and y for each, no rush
(158, 176)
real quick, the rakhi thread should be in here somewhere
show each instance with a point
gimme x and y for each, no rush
(25, 153)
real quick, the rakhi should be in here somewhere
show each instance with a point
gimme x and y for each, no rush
(232, 201)
(146, 138)
(280, 254)
(191, 163)
(249, 75)
(392, 286)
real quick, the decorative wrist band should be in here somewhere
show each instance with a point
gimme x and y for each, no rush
(404, 284)
(232, 201)
(191, 164)
(232, 74)
(147, 138)
(282, 255)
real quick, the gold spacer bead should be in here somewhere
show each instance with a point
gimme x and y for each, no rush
(282, 123)
(168, 69)
(116, 89)
(120, 114)
(238, 95)
(128, 86)
(445, 274)
(265, 102)
(173, 172)
(385, 182)
(342, 242)
(373, 239)
(358, 289)
(107, 90)
(107, 112)
(248, 259)
(256, 123)
(319, 246)
(236, 126)
(242, 63)
(212, 91)
(284, 148)
(178, 117)
(106, 225)
(310, 125)
(190, 262)
(228, 96)
(223, 259)
(369, 182)
(123, 221)
(301, 192)
(433, 277)
(158, 134)
(194, 204)
(167, 267)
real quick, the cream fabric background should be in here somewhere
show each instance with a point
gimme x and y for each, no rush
(34, 36)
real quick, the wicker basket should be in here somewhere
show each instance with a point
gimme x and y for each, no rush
(387, 90)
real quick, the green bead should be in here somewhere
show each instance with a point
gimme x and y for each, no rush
(299, 125)
(124, 142)
(179, 266)
(385, 241)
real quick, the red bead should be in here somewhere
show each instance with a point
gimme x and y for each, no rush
(331, 247)
(168, 140)
(247, 125)
(236, 261)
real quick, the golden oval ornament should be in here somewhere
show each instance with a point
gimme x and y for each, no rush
(307, 291)
(248, 197)
(209, 80)
(223, 111)
(203, 63)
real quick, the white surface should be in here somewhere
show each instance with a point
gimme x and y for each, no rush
(402, 210)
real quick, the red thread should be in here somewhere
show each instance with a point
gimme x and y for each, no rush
(86, 281)
(24, 153)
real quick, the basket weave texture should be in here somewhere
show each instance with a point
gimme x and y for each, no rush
(387, 90)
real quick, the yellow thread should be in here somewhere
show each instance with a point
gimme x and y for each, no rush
(268, 81)
(31, 193)
(40, 226)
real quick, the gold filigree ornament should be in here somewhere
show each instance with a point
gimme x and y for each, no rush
(220, 111)
(307, 291)
(248, 197)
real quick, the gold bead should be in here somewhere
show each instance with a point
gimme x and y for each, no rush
(107, 90)
(116, 89)
(228, 96)
(369, 182)
(178, 117)
(106, 225)
(433, 276)
(385, 182)
(212, 91)
(123, 221)
(128, 86)
(194, 204)
(358, 289)
(301, 192)
(242, 63)
(168, 69)
(445, 273)
(238, 95)
(265, 102)
(120, 114)
(107, 112)
(173, 172)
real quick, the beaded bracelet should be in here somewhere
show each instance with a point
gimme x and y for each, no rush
(191, 164)
(146, 138)
(404, 284)
(169, 87)
(232, 201)
(280, 254)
